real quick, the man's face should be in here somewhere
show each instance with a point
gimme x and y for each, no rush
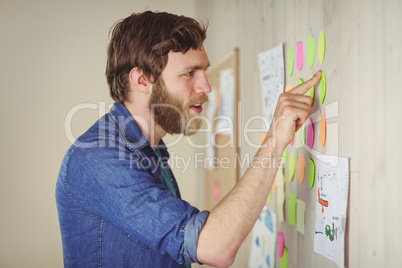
(177, 98)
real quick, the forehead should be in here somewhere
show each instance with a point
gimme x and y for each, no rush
(192, 59)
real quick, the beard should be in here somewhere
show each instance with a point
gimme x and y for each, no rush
(171, 113)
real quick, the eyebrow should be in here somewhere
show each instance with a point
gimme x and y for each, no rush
(194, 67)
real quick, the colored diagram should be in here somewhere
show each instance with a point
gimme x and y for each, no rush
(322, 201)
(332, 197)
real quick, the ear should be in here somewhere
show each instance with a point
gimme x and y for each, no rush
(139, 81)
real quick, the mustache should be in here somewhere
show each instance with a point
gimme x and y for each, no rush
(203, 98)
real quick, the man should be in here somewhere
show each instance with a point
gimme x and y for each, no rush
(118, 201)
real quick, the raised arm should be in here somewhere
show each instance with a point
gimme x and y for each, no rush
(232, 219)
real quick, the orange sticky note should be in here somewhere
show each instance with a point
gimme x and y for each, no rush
(323, 130)
(288, 87)
(273, 189)
(300, 168)
(262, 138)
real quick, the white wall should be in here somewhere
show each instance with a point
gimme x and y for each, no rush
(363, 66)
(52, 58)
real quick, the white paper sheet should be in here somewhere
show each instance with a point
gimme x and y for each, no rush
(332, 199)
(272, 79)
(264, 241)
(224, 123)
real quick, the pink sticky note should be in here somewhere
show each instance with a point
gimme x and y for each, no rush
(281, 243)
(299, 55)
(292, 142)
(217, 191)
(310, 133)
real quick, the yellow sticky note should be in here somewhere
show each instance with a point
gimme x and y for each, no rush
(311, 173)
(284, 259)
(299, 81)
(280, 194)
(322, 87)
(291, 167)
(300, 136)
(292, 209)
(280, 186)
(291, 62)
(321, 47)
(285, 155)
(281, 212)
(300, 212)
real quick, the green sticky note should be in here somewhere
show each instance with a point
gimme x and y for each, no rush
(291, 62)
(285, 155)
(311, 173)
(292, 209)
(321, 47)
(310, 92)
(284, 259)
(310, 51)
(299, 81)
(322, 87)
(300, 209)
(291, 167)
(269, 196)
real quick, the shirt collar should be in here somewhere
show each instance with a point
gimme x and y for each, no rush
(130, 129)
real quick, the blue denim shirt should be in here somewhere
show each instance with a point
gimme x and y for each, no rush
(114, 210)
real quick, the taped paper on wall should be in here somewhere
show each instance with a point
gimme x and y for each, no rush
(272, 79)
(331, 207)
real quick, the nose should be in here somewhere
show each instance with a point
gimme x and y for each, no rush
(203, 85)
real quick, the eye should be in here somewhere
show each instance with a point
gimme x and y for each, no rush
(189, 74)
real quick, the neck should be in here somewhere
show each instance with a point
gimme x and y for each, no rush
(142, 116)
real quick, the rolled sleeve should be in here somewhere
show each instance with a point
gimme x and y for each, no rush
(192, 230)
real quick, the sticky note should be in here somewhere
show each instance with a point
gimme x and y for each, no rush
(321, 47)
(311, 173)
(299, 81)
(281, 212)
(280, 187)
(291, 166)
(300, 168)
(273, 189)
(310, 133)
(269, 196)
(310, 51)
(323, 130)
(300, 137)
(292, 209)
(268, 221)
(284, 259)
(310, 93)
(280, 195)
(299, 55)
(291, 143)
(322, 87)
(285, 155)
(288, 87)
(262, 137)
(300, 214)
(281, 243)
(217, 191)
(291, 60)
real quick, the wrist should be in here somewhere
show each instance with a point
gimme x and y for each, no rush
(270, 153)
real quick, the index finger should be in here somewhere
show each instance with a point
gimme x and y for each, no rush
(302, 88)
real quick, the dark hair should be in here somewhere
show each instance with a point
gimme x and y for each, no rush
(144, 40)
